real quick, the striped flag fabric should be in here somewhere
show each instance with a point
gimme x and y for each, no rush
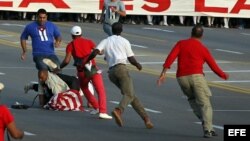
(69, 100)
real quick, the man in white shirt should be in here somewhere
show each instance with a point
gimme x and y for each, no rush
(117, 51)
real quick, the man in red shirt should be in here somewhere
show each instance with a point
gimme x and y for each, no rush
(192, 54)
(7, 122)
(80, 48)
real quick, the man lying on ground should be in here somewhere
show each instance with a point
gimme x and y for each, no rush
(61, 91)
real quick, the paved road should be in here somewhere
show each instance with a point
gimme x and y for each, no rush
(166, 105)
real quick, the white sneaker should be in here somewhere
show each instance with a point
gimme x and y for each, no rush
(94, 112)
(27, 87)
(50, 63)
(165, 24)
(1, 86)
(104, 116)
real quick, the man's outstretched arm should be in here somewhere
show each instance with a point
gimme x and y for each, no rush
(134, 62)
(92, 55)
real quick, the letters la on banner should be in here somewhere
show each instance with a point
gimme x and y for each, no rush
(215, 8)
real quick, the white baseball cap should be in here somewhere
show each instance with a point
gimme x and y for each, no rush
(76, 30)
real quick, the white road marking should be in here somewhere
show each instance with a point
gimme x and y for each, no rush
(17, 67)
(4, 36)
(229, 51)
(68, 68)
(149, 63)
(231, 110)
(27, 41)
(175, 62)
(157, 29)
(237, 71)
(142, 55)
(1, 73)
(235, 81)
(245, 34)
(8, 24)
(28, 133)
(138, 46)
(149, 110)
(215, 126)
(225, 110)
(232, 71)
(229, 71)
(223, 62)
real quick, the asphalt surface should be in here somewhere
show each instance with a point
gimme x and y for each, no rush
(166, 105)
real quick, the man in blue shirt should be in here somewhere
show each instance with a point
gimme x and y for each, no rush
(44, 36)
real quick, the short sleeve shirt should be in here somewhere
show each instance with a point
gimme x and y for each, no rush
(42, 37)
(5, 119)
(116, 49)
(112, 17)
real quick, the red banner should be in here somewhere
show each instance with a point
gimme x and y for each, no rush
(215, 8)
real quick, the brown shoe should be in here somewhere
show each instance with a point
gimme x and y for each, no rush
(117, 115)
(148, 123)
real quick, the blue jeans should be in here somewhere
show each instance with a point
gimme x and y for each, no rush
(39, 61)
(107, 29)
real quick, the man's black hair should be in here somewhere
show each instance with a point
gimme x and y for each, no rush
(41, 11)
(197, 31)
(117, 28)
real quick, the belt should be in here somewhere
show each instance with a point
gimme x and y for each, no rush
(116, 66)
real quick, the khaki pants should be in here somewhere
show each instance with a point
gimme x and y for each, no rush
(195, 87)
(119, 75)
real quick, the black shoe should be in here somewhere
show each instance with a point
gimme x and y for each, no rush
(19, 106)
(207, 134)
(214, 133)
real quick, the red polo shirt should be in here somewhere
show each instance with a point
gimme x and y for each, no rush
(81, 48)
(192, 54)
